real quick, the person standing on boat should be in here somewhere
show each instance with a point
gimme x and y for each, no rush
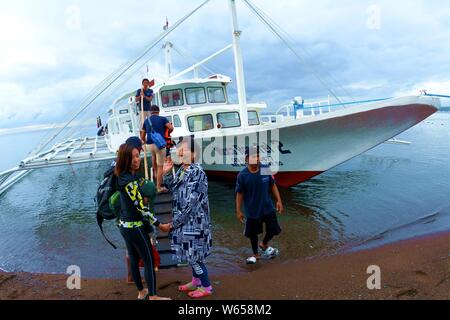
(191, 236)
(133, 217)
(156, 123)
(146, 94)
(253, 188)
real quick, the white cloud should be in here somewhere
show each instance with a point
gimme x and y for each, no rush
(20, 45)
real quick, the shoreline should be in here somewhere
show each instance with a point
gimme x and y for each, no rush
(417, 268)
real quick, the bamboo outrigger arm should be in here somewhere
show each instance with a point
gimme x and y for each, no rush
(69, 152)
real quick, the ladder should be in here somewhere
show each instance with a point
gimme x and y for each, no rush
(163, 211)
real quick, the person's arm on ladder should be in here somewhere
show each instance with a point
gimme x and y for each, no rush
(143, 136)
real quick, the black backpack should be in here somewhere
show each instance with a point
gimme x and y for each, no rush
(104, 192)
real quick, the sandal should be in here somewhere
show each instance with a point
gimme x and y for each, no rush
(200, 293)
(187, 287)
(147, 296)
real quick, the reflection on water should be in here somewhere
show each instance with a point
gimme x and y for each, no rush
(47, 221)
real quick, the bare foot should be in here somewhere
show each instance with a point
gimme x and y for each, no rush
(163, 190)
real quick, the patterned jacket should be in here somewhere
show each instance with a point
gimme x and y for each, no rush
(191, 238)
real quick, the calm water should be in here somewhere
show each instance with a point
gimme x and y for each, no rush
(393, 192)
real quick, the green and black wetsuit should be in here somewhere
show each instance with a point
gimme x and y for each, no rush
(133, 218)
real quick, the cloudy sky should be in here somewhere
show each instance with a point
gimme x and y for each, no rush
(53, 52)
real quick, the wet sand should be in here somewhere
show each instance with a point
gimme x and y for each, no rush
(412, 269)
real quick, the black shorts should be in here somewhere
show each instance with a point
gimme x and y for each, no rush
(254, 227)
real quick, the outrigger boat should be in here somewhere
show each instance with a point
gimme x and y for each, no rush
(300, 141)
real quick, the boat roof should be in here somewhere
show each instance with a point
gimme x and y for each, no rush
(159, 84)
(213, 79)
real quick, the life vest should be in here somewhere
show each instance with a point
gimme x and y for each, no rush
(168, 139)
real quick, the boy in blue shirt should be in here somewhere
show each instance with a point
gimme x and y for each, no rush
(253, 188)
(145, 94)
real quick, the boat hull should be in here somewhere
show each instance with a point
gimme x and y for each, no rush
(309, 147)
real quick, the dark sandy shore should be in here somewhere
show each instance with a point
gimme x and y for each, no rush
(412, 269)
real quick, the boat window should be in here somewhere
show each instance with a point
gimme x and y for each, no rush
(202, 122)
(116, 127)
(172, 98)
(216, 95)
(155, 100)
(195, 96)
(112, 127)
(169, 118)
(253, 119)
(176, 121)
(229, 119)
(126, 124)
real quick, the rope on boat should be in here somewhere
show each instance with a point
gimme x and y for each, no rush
(187, 57)
(437, 95)
(112, 78)
(289, 43)
(86, 119)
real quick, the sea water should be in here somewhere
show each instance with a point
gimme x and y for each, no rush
(393, 192)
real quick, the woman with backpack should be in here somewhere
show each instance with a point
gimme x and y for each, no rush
(134, 216)
(191, 226)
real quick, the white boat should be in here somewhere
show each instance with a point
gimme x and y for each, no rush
(302, 143)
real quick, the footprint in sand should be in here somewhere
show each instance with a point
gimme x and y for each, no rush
(411, 293)
(167, 285)
(421, 273)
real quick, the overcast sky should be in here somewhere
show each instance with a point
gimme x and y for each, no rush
(53, 52)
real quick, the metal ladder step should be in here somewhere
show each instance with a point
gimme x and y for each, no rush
(163, 208)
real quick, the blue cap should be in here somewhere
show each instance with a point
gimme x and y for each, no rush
(135, 142)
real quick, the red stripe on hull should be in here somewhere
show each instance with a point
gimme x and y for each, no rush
(284, 179)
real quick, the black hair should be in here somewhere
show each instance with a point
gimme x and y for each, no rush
(154, 108)
(145, 80)
(124, 159)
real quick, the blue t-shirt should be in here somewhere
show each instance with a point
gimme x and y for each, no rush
(158, 124)
(256, 189)
(148, 93)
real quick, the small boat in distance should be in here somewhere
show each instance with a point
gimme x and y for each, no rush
(298, 144)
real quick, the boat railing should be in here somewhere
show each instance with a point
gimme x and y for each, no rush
(310, 109)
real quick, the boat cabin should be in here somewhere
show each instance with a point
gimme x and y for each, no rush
(192, 106)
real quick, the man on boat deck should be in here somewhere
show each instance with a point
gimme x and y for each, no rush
(146, 94)
(253, 187)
